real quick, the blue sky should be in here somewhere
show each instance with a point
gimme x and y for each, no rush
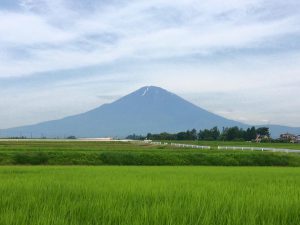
(237, 58)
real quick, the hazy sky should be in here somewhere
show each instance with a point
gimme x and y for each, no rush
(237, 58)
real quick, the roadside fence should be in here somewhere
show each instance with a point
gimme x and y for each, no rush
(257, 149)
(179, 145)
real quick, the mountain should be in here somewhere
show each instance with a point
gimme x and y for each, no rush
(149, 109)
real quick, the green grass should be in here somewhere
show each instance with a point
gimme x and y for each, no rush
(119, 153)
(149, 195)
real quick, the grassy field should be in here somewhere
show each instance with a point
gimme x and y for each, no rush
(149, 195)
(122, 153)
(95, 146)
(135, 195)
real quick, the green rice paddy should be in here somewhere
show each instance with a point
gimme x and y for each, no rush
(139, 195)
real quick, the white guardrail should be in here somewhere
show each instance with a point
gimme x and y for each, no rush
(189, 146)
(178, 145)
(257, 149)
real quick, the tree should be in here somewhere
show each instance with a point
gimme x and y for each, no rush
(263, 131)
(194, 134)
(250, 134)
(215, 133)
(71, 137)
(135, 137)
(253, 133)
(227, 134)
(233, 133)
(181, 136)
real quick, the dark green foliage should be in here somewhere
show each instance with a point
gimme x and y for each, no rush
(185, 135)
(263, 131)
(227, 134)
(250, 134)
(135, 137)
(210, 135)
(30, 158)
(71, 137)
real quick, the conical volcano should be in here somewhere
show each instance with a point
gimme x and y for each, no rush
(149, 109)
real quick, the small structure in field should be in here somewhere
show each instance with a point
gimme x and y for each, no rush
(298, 138)
(260, 138)
(290, 138)
(97, 139)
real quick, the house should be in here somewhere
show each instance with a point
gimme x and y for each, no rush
(290, 138)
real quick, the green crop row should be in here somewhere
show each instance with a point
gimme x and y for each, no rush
(116, 153)
(226, 158)
(149, 195)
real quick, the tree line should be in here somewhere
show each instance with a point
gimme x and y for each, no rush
(226, 134)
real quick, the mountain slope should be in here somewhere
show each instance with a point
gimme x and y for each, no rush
(149, 109)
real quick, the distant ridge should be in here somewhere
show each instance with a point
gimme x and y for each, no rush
(149, 109)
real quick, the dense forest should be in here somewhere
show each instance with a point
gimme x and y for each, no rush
(227, 134)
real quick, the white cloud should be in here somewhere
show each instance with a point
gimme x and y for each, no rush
(28, 29)
(141, 29)
(191, 47)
